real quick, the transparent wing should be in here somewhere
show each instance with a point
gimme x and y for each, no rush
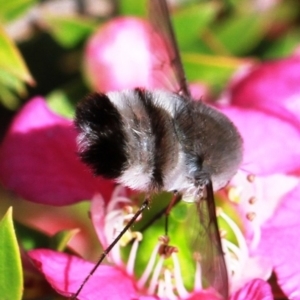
(208, 244)
(193, 230)
(168, 71)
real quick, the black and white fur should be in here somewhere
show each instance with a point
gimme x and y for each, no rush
(157, 140)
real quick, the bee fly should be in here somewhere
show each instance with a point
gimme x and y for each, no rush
(155, 140)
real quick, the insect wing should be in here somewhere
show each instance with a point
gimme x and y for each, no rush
(208, 245)
(207, 242)
(168, 70)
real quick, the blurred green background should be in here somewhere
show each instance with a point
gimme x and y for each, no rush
(46, 39)
(42, 44)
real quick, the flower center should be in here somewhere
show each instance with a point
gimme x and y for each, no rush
(167, 266)
(245, 194)
(242, 265)
(153, 259)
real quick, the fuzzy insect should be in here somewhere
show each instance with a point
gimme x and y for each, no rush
(155, 140)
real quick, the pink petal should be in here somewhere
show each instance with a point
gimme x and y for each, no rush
(273, 87)
(103, 221)
(38, 159)
(271, 145)
(111, 62)
(65, 273)
(199, 91)
(280, 242)
(268, 192)
(255, 290)
(98, 213)
(204, 295)
(254, 267)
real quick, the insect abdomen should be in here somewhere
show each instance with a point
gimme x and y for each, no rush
(128, 136)
(152, 145)
(102, 139)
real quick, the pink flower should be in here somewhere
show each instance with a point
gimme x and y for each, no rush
(271, 87)
(66, 272)
(264, 136)
(33, 129)
(268, 94)
(268, 98)
(257, 199)
(120, 280)
(279, 242)
(118, 56)
(263, 223)
(38, 159)
(127, 53)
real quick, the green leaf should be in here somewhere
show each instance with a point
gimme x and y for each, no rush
(13, 73)
(60, 240)
(11, 60)
(133, 7)
(63, 101)
(240, 33)
(10, 86)
(60, 103)
(11, 275)
(214, 70)
(10, 10)
(190, 22)
(30, 238)
(69, 30)
(12, 82)
(284, 46)
(8, 98)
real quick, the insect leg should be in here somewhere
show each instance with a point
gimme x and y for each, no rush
(144, 205)
(162, 212)
(175, 199)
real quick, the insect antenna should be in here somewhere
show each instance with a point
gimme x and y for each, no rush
(144, 205)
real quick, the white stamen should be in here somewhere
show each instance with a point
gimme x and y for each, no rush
(161, 289)
(132, 256)
(114, 223)
(115, 255)
(169, 293)
(238, 234)
(226, 256)
(116, 198)
(142, 281)
(113, 220)
(155, 275)
(234, 249)
(236, 262)
(182, 292)
(198, 277)
(113, 214)
(110, 230)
